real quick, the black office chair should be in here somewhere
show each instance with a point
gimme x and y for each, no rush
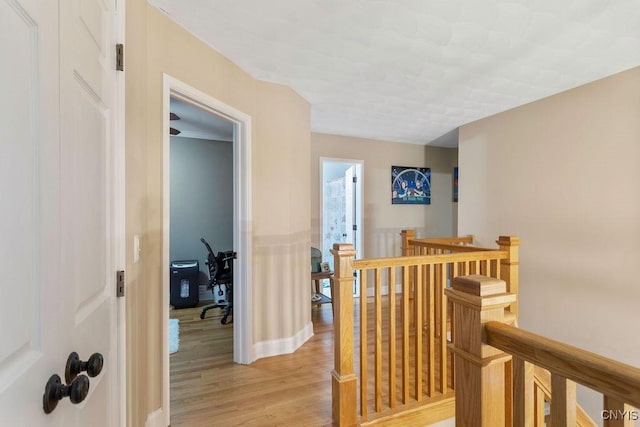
(220, 274)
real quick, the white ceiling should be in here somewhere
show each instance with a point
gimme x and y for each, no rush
(415, 70)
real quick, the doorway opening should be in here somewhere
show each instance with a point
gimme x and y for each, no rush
(239, 204)
(341, 184)
(201, 193)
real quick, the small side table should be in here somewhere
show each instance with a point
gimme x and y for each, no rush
(316, 278)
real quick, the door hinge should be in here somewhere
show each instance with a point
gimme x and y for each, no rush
(355, 227)
(120, 284)
(355, 179)
(120, 57)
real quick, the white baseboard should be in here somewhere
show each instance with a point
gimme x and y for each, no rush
(155, 419)
(283, 345)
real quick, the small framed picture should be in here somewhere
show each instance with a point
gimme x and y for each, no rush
(410, 185)
(455, 184)
(325, 267)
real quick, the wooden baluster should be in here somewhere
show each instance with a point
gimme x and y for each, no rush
(485, 269)
(509, 267)
(539, 419)
(418, 322)
(450, 272)
(508, 392)
(617, 413)
(343, 377)
(364, 346)
(392, 337)
(450, 318)
(563, 403)
(443, 330)
(523, 393)
(435, 283)
(378, 341)
(431, 380)
(405, 336)
(426, 299)
(409, 249)
(479, 381)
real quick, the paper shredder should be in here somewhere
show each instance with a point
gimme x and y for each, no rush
(184, 283)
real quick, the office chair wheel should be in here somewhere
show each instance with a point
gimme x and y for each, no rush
(204, 313)
(224, 320)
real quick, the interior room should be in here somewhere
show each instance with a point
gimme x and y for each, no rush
(516, 265)
(201, 227)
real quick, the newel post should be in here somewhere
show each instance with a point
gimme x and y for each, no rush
(479, 368)
(407, 247)
(343, 377)
(509, 267)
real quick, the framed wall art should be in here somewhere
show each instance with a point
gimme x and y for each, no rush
(410, 185)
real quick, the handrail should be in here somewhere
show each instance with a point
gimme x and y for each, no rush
(464, 240)
(448, 246)
(600, 373)
(407, 261)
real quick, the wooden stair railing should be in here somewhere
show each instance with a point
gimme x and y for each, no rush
(483, 343)
(508, 269)
(401, 368)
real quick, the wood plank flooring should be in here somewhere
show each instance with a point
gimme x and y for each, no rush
(208, 389)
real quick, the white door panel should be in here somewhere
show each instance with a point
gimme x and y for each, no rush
(29, 215)
(57, 209)
(87, 158)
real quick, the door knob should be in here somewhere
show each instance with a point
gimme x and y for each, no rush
(55, 391)
(93, 366)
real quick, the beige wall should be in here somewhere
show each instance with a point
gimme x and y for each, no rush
(281, 223)
(382, 220)
(562, 173)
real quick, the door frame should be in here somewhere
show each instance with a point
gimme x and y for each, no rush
(243, 351)
(359, 199)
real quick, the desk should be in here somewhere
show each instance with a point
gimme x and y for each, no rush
(316, 277)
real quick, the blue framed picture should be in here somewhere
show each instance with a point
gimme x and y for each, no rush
(410, 185)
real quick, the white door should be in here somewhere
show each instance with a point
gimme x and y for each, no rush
(58, 208)
(341, 210)
(349, 232)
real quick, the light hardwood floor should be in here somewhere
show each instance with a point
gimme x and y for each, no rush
(208, 389)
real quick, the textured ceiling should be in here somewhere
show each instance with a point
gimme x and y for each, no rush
(414, 70)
